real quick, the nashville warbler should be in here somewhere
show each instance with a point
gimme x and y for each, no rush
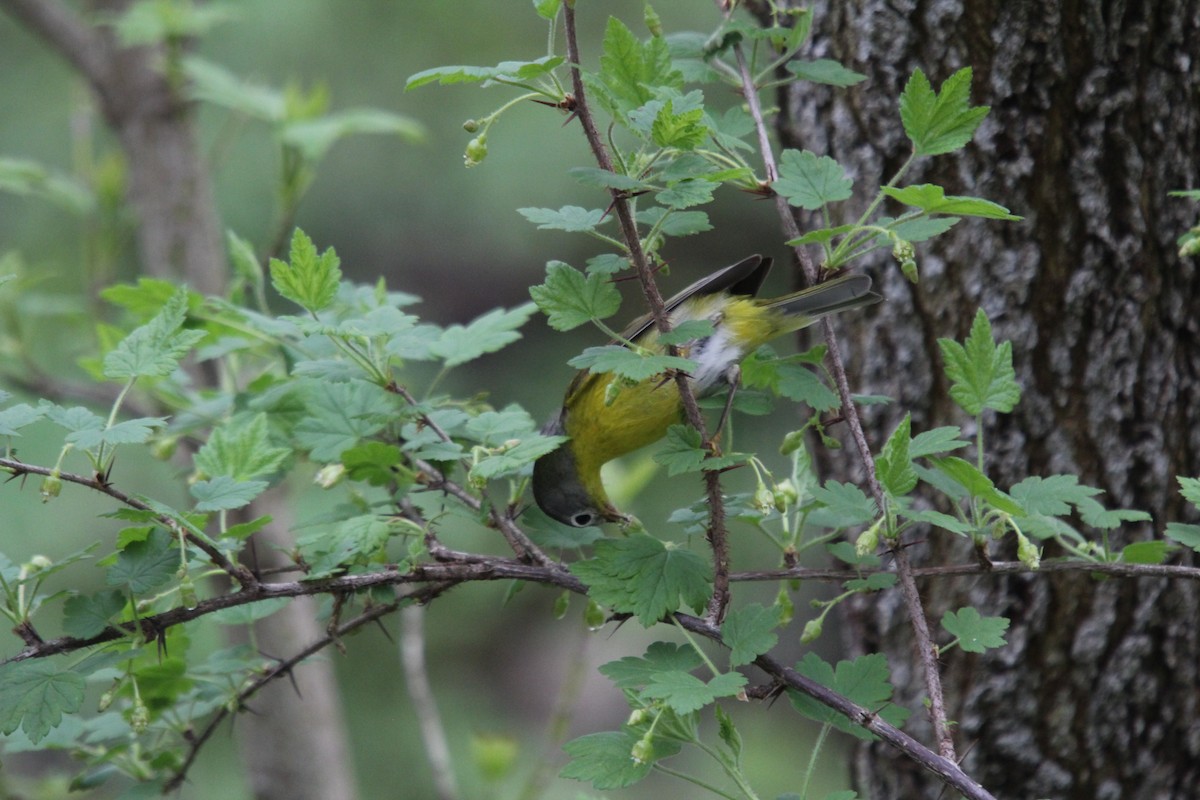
(604, 422)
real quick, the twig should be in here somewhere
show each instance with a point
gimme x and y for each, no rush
(416, 680)
(239, 573)
(624, 213)
(944, 768)
(926, 650)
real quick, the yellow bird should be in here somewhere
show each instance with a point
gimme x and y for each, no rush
(566, 482)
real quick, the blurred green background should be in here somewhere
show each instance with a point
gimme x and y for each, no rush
(415, 215)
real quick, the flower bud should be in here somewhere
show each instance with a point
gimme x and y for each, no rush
(51, 486)
(652, 20)
(476, 150)
(643, 751)
(139, 719)
(330, 475)
(639, 716)
(1028, 553)
(471, 125)
(868, 540)
(812, 630)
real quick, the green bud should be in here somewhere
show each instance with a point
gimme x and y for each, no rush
(868, 540)
(471, 125)
(561, 604)
(187, 592)
(764, 499)
(139, 718)
(652, 20)
(37, 563)
(909, 267)
(1191, 244)
(106, 700)
(330, 475)
(643, 751)
(1028, 553)
(476, 150)
(639, 716)
(494, 755)
(51, 486)
(594, 616)
(785, 495)
(812, 630)
(787, 609)
(163, 447)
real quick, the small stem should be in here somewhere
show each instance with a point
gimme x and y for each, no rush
(692, 779)
(812, 760)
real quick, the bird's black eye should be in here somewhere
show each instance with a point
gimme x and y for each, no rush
(583, 519)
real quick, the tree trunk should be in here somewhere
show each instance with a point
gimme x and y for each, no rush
(1095, 117)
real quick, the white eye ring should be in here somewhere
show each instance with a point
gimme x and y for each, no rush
(583, 519)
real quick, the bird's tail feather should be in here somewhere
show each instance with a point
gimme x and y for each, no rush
(808, 305)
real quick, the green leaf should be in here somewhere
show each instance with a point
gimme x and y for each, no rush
(939, 122)
(313, 138)
(340, 415)
(932, 199)
(802, 385)
(547, 9)
(241, 450)
(678, 223)
(682, 452)
(687, 193)
(1186, 534)
(224, 493)
(935, 441)
(644, 576)
(604, 760)
(155, 349)
(245, 529)
(845, 503)
(975, 633)
(632, 672)
(630, 69)
(810, 181)
(863, 680)
(1190, 489)
(629, 363)
(687, 332)
(249, 612)
(820, 235)
(915, 230)
(350, 541)
(512, 459)
(684, 693)
(307, 279)
(875, 582)
(893, 466)
(520, 71)
(1051, 495)
(34, 696)
(85, 616)
(24, 177)
(1098, 516)
(982, 372)
(375, 463)
(568, 298)
(210, 83)
(605, 179)
(131, 431)
(749, 632)
(14, 418)
(146, 564)
(568, 218)
(824, 70)
(683, 131)
(486, 334)
(976, 483)
(1152, 552)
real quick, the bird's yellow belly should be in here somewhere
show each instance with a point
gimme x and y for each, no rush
(639, 414)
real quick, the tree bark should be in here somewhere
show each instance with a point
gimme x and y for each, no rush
(1095, 117)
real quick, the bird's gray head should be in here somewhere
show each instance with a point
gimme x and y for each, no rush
(559, 492)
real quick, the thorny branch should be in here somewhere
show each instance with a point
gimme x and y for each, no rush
(717, 535)
(924, 645)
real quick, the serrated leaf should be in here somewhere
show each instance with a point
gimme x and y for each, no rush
(155, 349)
(242, 451)
(916, 230)
(820, 235)
(1096, 515)
(313, 138)
(604, 760)
(340, 415)
(975, 633)
(513, 459)
(131, 431)
(605, 179)
(678, 223)
(629, 363)
(211, 83)
(981, 371)
(863, 680)
(681, 451)
(644, 576)
(932, 199)
(308, 279)
(684, 693)
(826, 71)
(224, 493)
(14, 418)
(686, 193)
(631, 672)
(85, 616)
(893, 465)
(25, 177)
(1051, 495)
(935, 441)
(506, 70)
(354, 540)
(976, 483)
(802, 385)
(845, 504)
(147, 564)
(485, 334)
(249, 612)
(34, 696)
(749, 632)
(569, 298)
(568, 218)
(1190, 489)
(1186, 534)
(1152, 552)
(630, 69)
(940, 122)
(683, 131)
(810, 181)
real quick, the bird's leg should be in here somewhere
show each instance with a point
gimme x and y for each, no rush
(733, 377)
